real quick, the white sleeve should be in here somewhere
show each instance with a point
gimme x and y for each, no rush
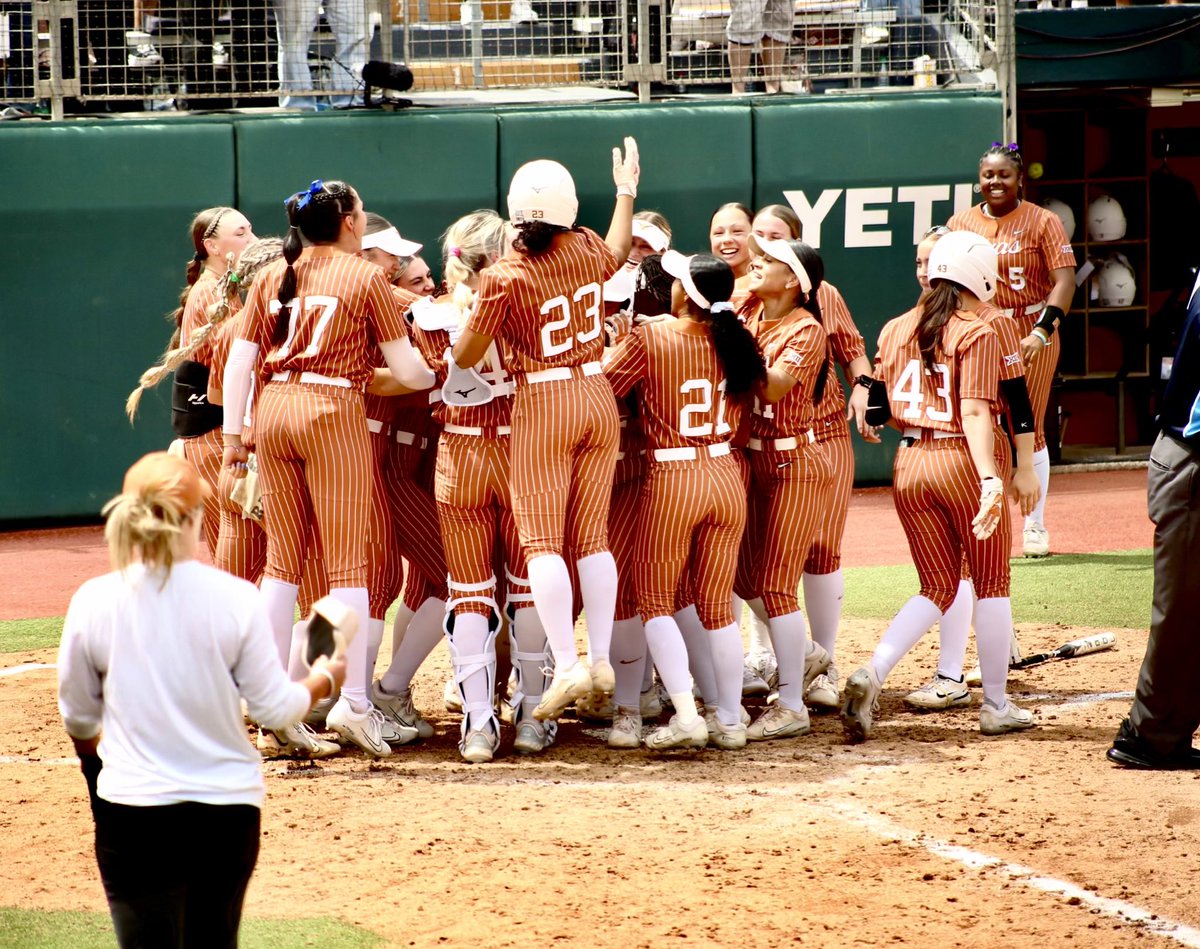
(406, 364)
(80, 685)
(273, 700)
(237, 382)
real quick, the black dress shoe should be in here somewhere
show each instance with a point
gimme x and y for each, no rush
(1135, 753)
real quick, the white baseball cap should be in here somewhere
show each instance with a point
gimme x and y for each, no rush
(390, 242)
(542, 190)
(782, 250)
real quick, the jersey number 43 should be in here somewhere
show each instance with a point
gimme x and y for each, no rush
(909, 390)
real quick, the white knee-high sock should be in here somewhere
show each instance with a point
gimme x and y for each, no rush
(648, 667)
(823, 593)
(551, 586)
(425, 631)
(354, 689)
(699, 649)
(628, 659)
(993, 630)
(1041, 468)
(789, 633)
(280, 600)
(954, 630)
(670, 656)
(598, 590)
(374, 641)
(530, 639)
(470, 638)
(725, 644)
(404, 616)
(760, 633)
(296, 668)
(915, 618)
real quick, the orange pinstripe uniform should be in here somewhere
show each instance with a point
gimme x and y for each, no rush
(790, 486)
(311, 431)
(692, 501)
(623, 511)
(471, 482)
(1030, 242)
(548, 309)
(935, 481)
(204, 451)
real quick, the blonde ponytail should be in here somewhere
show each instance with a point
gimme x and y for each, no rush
(141, 527)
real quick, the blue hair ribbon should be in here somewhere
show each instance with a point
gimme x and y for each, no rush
(1011, 146)
(303, 197)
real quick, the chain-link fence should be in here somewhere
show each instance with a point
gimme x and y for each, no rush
(105, 55)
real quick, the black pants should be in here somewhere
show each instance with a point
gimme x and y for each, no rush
(176, 875)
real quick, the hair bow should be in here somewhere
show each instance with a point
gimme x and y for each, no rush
(455, 251)
(303, 197)
(1011, 146)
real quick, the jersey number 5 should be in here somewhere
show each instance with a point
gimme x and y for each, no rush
(695, 429)
(563, 306)
(305, 305)
(908, 390)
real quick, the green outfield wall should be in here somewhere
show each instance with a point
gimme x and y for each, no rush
(94, 227)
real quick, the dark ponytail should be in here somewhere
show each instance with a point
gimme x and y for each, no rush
(316, 214)
(737, 349)
(534, 237)
(651, 287)
(937, 304)
(815, 267)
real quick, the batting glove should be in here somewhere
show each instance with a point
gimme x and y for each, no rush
(627, 171)
(991, 508)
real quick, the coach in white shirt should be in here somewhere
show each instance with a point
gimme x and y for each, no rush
(154, 659)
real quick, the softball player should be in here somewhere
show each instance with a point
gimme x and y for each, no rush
(729, 233)
(651, 235)
(692, 375)
(947, 687)
(937, 372)
(310, 316)
(472, 492)
(1037, 270)
(791, 477)
(545, 300)
(219, 235)
(823, 582)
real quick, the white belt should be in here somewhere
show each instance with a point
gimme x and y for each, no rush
(559, 373)
(690, 454)
(474, 430)
(374, 426)
(916, 434)
(408, 438)
(781, 444)
(1028, 310)
(312, 379)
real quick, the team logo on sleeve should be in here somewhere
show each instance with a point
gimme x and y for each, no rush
(1012, 359)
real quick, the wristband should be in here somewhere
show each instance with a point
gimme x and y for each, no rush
(328, 675)
(1051, 316)
(1042, 335)
(864, 380)
(626, 190)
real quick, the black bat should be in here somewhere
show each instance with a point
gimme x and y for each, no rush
(1076, 647)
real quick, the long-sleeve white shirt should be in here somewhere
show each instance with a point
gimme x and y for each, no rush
(157, 669)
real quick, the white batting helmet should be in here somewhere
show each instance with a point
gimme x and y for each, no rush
(966, 259)
(542, 190)
(1115, 282)
(1106, 220)
(1062, 211)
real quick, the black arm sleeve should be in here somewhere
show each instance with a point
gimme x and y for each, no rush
(879, 409)
(1016, 394)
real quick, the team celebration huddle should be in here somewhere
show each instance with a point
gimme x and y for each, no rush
(575, 423)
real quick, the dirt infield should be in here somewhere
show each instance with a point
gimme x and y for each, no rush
(929, 834)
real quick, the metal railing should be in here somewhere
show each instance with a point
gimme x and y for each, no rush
(63, 56)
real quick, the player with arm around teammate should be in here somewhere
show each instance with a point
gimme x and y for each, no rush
(937, 372)
(545, 300)
(1037, 271)
(313, 317)
(692, 375)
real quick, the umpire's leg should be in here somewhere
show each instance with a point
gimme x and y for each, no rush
(1166, 707)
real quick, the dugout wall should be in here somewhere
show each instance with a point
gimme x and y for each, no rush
(95, 227)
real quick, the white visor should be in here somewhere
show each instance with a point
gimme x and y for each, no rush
(782, 250)
(390, 242)
(680, 267)
(653, 235)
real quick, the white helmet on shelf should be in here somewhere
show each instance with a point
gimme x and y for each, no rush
(542, 190)
(1105, 219)
(1115, 282)
(967, 259)
(1062, 211)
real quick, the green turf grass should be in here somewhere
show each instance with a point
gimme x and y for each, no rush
(37, 929)
(1105, 589)
(17, 635)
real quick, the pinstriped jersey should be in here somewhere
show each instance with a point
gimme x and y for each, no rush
(680, 384)
(343, 305)
(215, 351)
(1030, 242)
(382, 407)
(549, 308)
(1012, 366)
(431, 335)
(845, 345)
(795, 344)
(967, 367)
